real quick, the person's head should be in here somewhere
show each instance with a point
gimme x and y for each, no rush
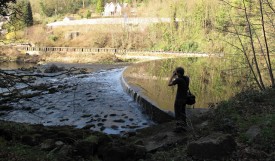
(180, 71)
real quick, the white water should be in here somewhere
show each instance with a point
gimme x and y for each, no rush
(95, 99)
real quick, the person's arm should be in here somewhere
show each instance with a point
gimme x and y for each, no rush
(188, 82)
(170, 83)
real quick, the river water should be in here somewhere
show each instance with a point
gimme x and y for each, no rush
(95, 101)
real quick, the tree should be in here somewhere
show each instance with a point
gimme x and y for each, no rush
(23, 17)
(5, 8)
(27, 13)
(99, 6)
(253, 27)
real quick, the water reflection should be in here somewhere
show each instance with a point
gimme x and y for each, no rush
(208, 80)
(15, 65)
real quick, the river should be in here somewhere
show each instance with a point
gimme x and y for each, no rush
(94, 100)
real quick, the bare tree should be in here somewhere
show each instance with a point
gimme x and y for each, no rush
(253, 26)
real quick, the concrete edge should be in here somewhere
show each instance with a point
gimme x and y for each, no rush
(155, 113)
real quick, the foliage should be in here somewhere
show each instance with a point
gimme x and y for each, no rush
(20, 19)
(99, 6)
(88, 15)
(4, 7)
(250, 27)
(247, 109)
(27, 13)
(53, 7)
(53, 37)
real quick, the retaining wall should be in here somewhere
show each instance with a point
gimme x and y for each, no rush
(155, 113)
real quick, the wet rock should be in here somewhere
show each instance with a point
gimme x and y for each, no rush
(100, 124)
(92, 99)
(119, 121)
(114, 127)
(27, 108)
(86, 115)
(133, 126)
(52, 90)
(214, 146)
(62, 120)
(90, 121)
(54, 69)
(102, 128)
(98, 119)
(88, 126)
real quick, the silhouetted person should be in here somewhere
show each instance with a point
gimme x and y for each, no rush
(178, 78)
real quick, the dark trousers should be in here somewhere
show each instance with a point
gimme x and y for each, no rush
(179, 108)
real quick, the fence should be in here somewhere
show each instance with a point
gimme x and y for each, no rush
(109, 50)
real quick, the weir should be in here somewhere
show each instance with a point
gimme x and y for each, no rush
(155, 113)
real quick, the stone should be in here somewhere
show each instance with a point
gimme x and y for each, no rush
(253, 132)
(213, 146)
(59, 143)
(48, 144)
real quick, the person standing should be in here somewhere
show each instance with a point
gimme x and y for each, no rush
(178, 78)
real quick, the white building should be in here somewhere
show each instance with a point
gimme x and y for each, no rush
(117, 9)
